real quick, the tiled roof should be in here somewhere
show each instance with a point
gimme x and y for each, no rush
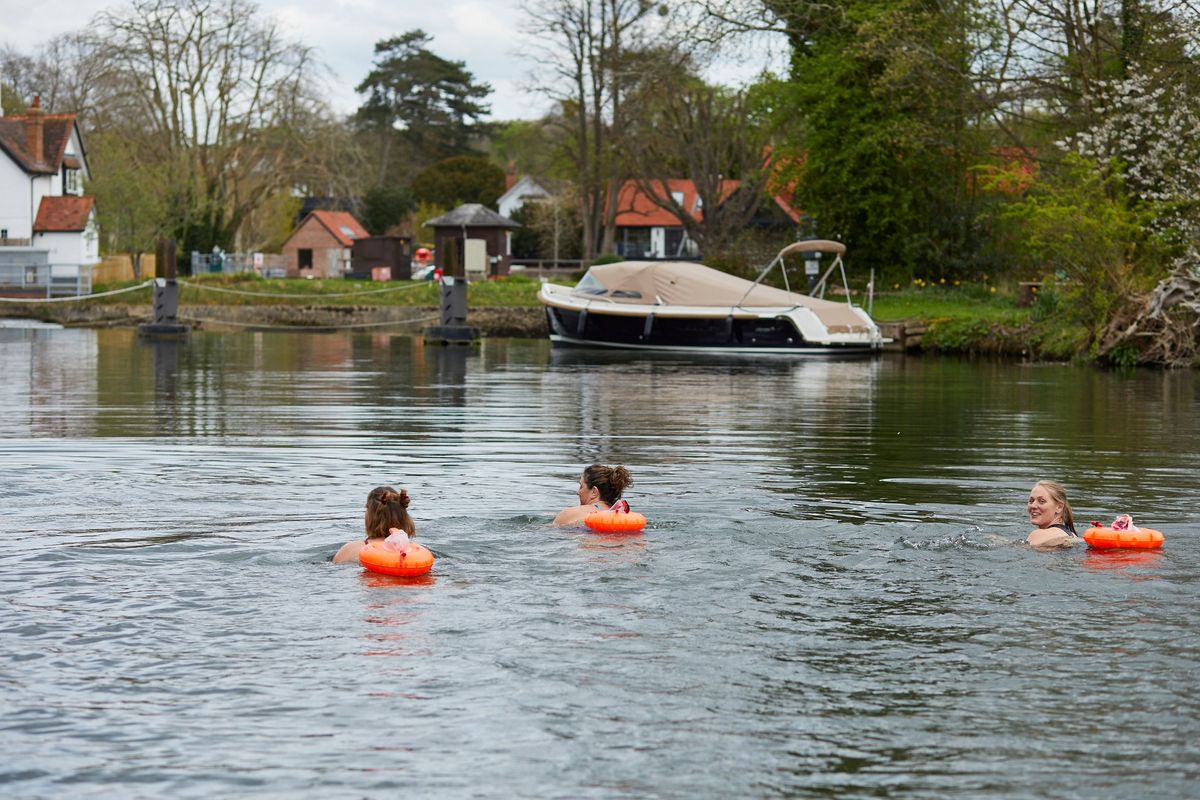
(56, 132)
(342, 224)
(636, 209)
(63, 214)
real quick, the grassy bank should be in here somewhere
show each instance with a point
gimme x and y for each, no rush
(970, 319)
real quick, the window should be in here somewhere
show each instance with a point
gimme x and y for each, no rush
(678, 198)
(71, 183)
(3, 233)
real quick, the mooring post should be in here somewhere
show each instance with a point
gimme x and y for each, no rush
(165, 295)
(452, 327)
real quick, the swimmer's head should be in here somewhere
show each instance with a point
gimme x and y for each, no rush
(1048, 504)
(387, 508)
(609, 483)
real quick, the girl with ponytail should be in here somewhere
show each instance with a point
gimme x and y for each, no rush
(387, 512)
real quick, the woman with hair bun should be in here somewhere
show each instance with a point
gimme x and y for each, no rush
(387, 513)
(600, 488)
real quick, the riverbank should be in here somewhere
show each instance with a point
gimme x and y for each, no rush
(970, 321)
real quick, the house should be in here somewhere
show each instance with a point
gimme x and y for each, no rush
(647, 230)
(519, 193)
(48, 235)
(322, 245)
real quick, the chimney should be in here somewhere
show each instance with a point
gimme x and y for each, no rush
(33, 129)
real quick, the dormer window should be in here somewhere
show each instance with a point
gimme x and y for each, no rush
(71, 181)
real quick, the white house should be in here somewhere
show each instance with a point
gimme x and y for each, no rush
(518, 194)
(47, 227)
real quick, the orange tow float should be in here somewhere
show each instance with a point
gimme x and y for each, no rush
(615, 521)
(415, 560)
(1138, 539)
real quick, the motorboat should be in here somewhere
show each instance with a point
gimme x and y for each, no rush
(686, 306)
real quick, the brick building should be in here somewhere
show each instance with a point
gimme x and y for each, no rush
(321, 245)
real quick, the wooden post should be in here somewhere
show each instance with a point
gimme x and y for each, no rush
(165, 296)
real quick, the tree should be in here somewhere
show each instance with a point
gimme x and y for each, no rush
(216, 97)
(716, 139)
(385, 206)
(890, 128)
(587, 44)
(462, 179)
(421, 99)
(130, 200)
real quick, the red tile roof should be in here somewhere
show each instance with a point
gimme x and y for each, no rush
(56, 132)
(636, 209)
(63, 214)
(342, 224)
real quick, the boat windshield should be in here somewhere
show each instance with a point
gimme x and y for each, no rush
(589, 285)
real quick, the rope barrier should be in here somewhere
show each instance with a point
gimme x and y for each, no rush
(302, 296)
(261, 326)
(77, 298)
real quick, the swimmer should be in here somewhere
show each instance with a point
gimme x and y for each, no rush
(1049, 511)
(387, 511)
(600, 489)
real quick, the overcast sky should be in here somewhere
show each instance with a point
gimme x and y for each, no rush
(484, 34)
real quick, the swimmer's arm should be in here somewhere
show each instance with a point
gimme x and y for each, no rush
(1049, 537)
(348, 552)
(573, 515)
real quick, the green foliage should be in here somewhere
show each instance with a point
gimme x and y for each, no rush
(533, 147)
(607, 258)
(462, 179)
(889, 129)
(11, 101)
(1077, 221)
(385, 206)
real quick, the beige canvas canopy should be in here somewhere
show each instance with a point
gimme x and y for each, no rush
(680, 283)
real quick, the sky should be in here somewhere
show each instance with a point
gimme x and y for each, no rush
(484, 34)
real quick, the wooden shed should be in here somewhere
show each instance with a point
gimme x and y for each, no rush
(474, 242)
(382, 257)
(320, 246)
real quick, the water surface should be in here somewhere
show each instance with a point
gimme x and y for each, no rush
(831, 599)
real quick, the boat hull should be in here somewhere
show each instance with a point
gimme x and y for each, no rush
(757, 335)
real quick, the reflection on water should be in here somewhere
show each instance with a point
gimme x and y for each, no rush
(831, 597)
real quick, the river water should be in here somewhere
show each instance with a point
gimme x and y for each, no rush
(831, 599)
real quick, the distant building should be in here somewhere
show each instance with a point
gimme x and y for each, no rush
(474, 242)
(322, 245)
(647, 230)
(519, 193)
(48, 232)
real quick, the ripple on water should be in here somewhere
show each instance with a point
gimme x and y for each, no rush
(830, 599)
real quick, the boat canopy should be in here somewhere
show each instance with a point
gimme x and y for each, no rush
(682, 283)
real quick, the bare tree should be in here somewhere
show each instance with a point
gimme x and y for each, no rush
(711, 137)
(217, 97)
(586, 46)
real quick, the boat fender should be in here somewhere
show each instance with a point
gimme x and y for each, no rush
(1138, 539)
(729, 327)
(649, 324)
(582, 322)
(615, 521)
(414, 560)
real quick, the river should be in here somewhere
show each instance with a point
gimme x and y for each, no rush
(831, 599)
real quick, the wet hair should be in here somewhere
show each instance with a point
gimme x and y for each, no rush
(610, 481)
(387, 509)
(1059, 494)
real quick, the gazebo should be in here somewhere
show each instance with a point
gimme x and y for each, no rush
(473, 242)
